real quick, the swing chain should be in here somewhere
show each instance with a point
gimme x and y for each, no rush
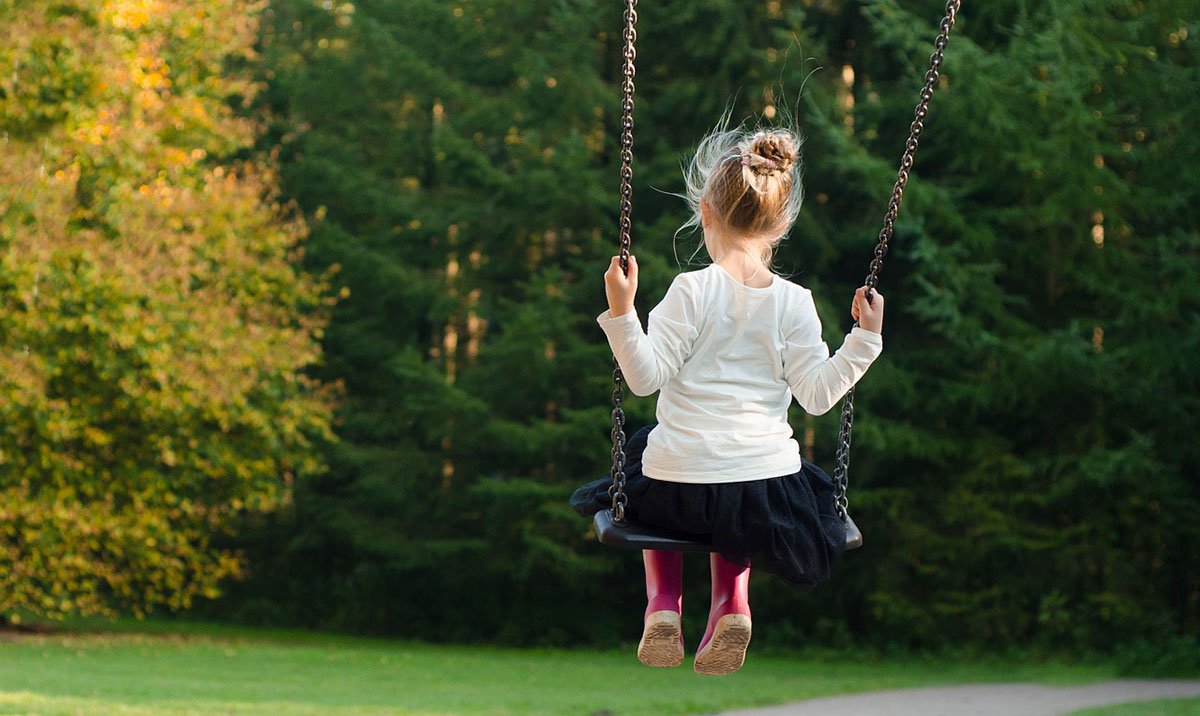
(628, 71)
(617, 491)
(842, 462)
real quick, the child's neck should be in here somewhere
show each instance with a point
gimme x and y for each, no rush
(746, 269)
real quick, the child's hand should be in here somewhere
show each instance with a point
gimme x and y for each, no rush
(620, 288)
(868, 315)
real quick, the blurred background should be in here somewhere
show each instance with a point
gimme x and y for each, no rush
(297, 307)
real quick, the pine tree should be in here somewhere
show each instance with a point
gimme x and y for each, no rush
(459, 164)
(1014, 462)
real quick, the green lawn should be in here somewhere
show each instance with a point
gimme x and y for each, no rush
(175, 669)
(1166, 707)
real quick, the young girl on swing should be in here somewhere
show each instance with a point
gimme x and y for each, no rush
(727, 349)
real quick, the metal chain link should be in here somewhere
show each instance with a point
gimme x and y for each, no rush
(842, 461)
(617, 490)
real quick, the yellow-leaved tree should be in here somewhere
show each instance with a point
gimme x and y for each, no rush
(154, 332)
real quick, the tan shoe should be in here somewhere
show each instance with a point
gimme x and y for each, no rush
(725, 652)
(662, 640)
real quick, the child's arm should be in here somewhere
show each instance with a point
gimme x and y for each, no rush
(817, 380)
(648, 361)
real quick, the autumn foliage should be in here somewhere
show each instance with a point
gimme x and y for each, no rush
(154, 334)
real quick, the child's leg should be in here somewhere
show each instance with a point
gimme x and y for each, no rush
(662, 636)
(664, 580)
(723, 648)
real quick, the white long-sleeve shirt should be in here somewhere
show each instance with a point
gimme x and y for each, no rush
(727, 360)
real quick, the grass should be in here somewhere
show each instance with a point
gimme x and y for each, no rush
(1165, 707)
(176, 669)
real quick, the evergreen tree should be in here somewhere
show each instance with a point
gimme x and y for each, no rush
(1012, 459)
(458, 198)
(1017, 470)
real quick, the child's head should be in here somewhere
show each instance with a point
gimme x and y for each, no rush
(744, 189)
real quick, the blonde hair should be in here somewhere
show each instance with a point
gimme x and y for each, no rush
(750, 178)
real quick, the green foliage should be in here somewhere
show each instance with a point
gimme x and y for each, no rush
(153, 330)
(460, 200)
(1030, 321)
(1024, 465)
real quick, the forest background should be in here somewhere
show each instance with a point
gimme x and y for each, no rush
(297, 309)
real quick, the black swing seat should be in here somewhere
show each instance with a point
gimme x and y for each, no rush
(628, 535)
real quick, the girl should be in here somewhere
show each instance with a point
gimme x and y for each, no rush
(727, 349)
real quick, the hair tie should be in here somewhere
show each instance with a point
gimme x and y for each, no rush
(761, 163)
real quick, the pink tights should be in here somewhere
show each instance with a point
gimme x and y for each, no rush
(664, 586)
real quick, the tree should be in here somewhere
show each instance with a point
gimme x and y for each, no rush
(155, 333)
(460, 160)
(1027, 482)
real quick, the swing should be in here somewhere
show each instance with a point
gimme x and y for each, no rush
(612, 526)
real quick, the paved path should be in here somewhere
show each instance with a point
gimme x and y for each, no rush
(1016, 699)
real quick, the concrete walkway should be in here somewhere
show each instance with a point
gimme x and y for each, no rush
(1016, 699)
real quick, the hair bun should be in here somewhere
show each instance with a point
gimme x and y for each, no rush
(771, 153)
(744, 184)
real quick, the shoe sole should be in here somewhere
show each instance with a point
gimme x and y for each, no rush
(660, 644)
(726, 651)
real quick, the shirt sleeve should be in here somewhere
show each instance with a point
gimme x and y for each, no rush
(817, 380)
(649, 360)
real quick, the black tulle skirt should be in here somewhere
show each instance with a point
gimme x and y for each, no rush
(784, 525)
